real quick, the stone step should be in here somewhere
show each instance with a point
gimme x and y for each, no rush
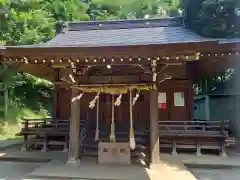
(94, 153)
(95, 146)
(139, 140)
(137, 133)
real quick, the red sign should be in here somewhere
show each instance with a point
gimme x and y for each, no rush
(163, 106)
(162, 100)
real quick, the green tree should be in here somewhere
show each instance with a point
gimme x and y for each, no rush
(26, 22)
(213, 18)
(103, 10)
(133, 9)
(66, 11)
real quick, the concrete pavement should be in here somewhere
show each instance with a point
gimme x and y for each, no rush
(216, 174)
(20, 171)
(15, 171)
(5, 144)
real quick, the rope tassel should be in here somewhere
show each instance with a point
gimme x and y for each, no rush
(131, 136)
(132, 139)
(97, 135)
(97, 123)
(112, 135)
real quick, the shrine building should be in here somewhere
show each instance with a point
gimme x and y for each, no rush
(123, 88)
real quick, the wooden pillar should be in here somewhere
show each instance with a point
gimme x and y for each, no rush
(74, 140)
(154, 130)
(207, 108)
(55, 102)
(55, 113)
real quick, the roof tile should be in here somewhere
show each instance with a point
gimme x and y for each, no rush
(123, 37)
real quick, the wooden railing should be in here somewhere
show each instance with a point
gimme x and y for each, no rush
(195, 126)
(194, 135)
(83, 135)
(40, 123)
(46, 132)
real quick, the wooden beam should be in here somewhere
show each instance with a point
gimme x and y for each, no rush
(115, 79)
(74, 140)
(154, 130)
(113, 51)
(108, 79)
(112, 85)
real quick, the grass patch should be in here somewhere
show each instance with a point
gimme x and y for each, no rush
(10, 128)
(10, 132)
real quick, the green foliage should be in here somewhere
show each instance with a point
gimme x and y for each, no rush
(67, 10)
(222, 82)
(133, 9)
(26, 23)
(213, 18)
(36, 21)
(103, 10)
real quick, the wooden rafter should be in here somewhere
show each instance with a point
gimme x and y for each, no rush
(82, 61)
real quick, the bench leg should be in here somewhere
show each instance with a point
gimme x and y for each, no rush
(198, 153)
(223, 153)
(174, 148)
(65, 149)
(44, 149)
(24, 146)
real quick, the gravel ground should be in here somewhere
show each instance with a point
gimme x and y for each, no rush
(216, 174)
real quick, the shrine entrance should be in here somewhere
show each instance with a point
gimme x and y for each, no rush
(121, 114)
(116, 138)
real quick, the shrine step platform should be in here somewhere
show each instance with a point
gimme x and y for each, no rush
(89, 169)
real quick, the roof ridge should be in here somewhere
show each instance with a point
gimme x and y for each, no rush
(124, 24)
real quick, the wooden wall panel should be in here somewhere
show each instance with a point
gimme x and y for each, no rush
(140, 109)
(64, 103)
(173, 112)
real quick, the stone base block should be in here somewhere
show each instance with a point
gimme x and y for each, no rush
(74, 162)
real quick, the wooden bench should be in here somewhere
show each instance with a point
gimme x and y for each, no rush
(46, 132)
(47, 136)
(196, 135)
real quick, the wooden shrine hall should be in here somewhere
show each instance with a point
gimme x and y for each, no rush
(124, 87)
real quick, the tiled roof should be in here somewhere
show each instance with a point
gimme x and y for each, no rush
(126, 33)
(124, 37)
(229, 40)
(123, 33)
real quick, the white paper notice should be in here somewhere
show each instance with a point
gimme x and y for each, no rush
(179, 99)
(162, 97)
